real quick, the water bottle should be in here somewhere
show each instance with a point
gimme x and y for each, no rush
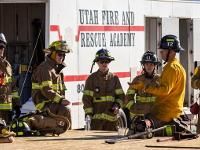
(87, 122)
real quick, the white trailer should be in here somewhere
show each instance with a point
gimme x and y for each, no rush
(125, 27)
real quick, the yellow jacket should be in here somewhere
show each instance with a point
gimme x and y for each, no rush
(170, 93)
(195, 82)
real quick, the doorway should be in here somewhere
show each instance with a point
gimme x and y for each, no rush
(23, 24)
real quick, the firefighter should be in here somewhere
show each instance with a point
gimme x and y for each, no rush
(6, 85)
(195, 83)
(47, 82)
(170, 92)
(103, 94)
(139, 103)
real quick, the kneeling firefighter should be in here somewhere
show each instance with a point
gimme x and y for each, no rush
(170, 91)
(48, 87)
(139, 103)
(48, 90)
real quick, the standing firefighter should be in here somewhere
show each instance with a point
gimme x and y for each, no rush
(170, 92)
(6, 85)
(140, 103)
(103, 94)
(196, 78)
(47, 82)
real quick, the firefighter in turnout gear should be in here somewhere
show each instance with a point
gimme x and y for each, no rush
(138, 102)
(47, 82)
(6, 85)
(195, 83)
(170, 92)
(103, 94)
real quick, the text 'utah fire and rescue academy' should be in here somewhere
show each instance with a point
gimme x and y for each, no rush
(99, 39)
(109, 28)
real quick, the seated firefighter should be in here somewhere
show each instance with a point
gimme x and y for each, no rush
(103, 94)
(139, 103)
(48, 86)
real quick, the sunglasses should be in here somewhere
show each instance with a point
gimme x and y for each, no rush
(1, 47)
(61, 55)
(104, 61)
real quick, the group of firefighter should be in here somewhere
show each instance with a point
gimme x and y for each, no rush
(155, 100)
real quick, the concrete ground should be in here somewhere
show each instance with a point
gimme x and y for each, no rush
(93, 140)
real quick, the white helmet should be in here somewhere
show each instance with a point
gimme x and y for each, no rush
(3, 41)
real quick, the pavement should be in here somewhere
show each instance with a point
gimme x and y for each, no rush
(95, 140)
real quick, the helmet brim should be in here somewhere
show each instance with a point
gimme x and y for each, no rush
(104, 58)
(155, 63)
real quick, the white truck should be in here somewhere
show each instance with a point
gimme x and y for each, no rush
(125, 27)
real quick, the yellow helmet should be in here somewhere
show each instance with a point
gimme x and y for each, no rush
(61, 46)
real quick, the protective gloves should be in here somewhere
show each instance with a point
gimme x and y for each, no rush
(65, 102)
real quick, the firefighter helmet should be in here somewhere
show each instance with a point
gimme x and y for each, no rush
(61, 46)
(170, 42)
(3, 41)
(149, 57)
(103, 54)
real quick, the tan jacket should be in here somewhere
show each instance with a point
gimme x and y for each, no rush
(137, 101)
(5, 85)
(47, 83)
(101, 92)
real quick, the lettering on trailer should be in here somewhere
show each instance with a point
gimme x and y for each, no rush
(106, 28)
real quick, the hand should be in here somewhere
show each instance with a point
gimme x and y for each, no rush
(148, 123)
(115, 108)
(65, 102)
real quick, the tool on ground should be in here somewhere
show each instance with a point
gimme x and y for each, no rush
(149, 131)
